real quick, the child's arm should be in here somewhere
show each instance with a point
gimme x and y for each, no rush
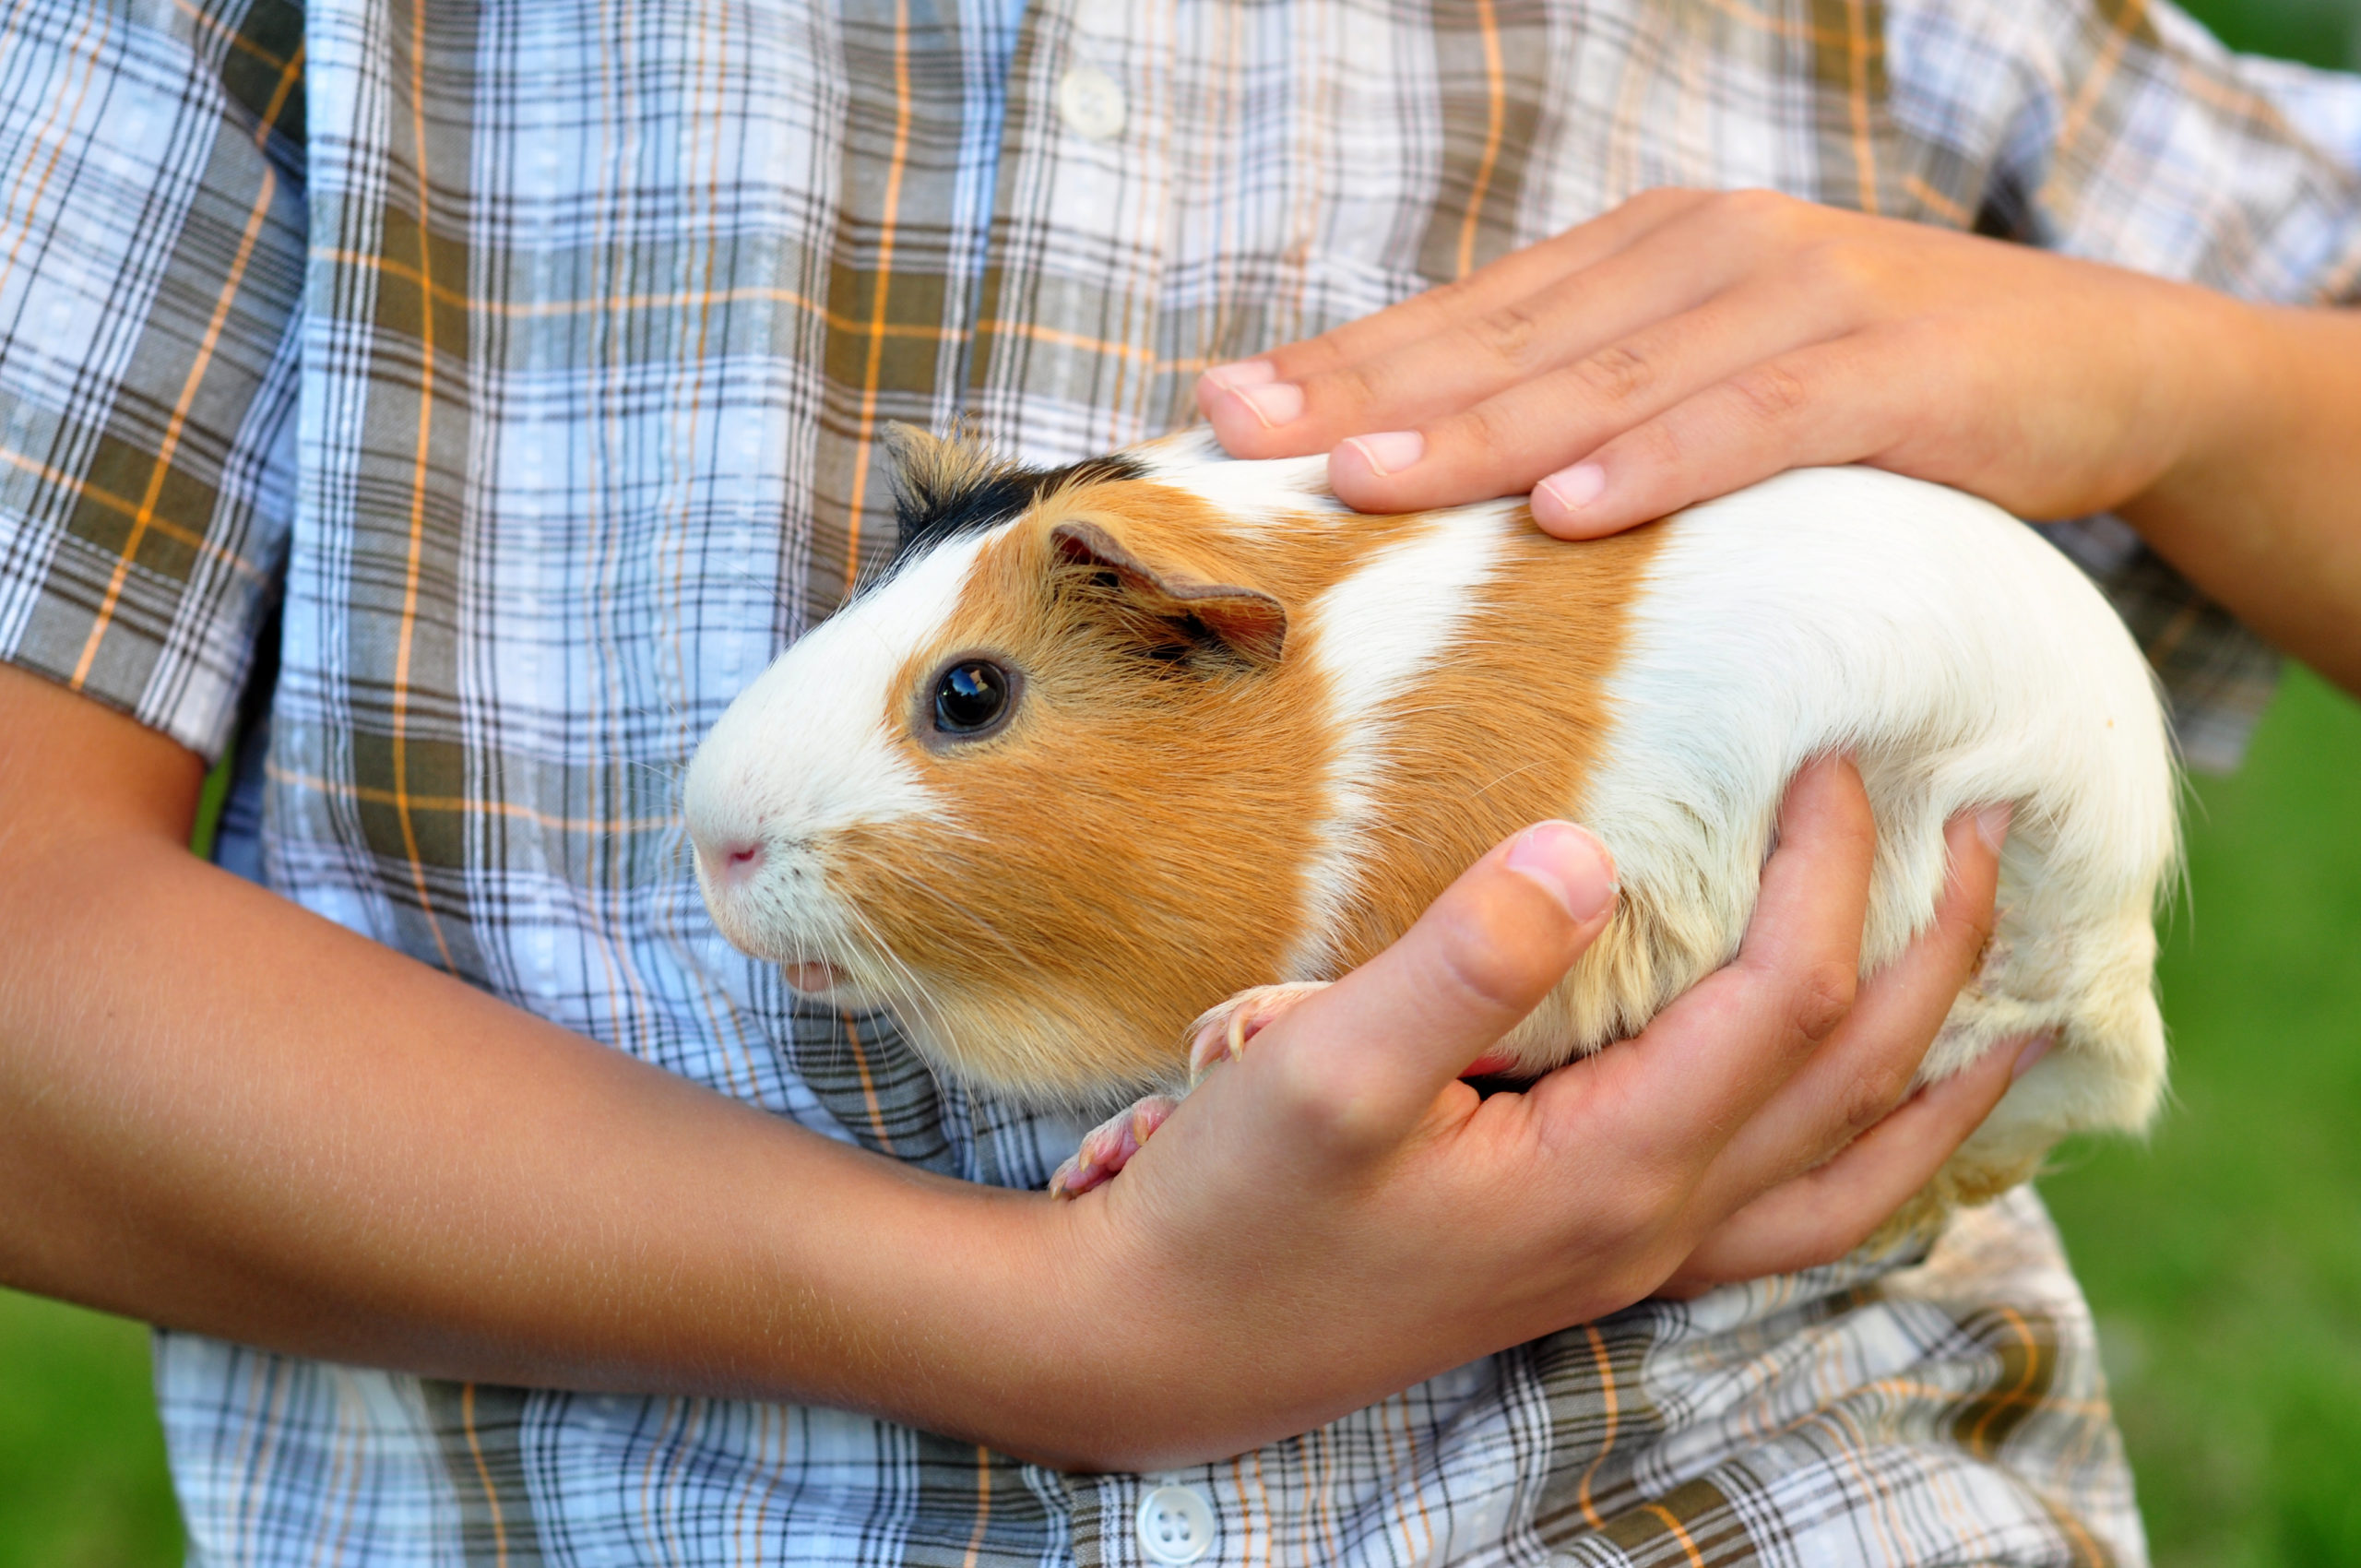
(227, 1114)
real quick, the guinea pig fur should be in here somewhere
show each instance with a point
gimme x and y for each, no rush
(1112, 743)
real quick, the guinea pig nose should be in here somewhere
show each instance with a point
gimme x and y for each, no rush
(734, 860)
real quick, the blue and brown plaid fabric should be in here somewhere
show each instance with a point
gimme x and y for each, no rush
(482, 392)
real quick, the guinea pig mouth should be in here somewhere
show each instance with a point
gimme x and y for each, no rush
(813, 976)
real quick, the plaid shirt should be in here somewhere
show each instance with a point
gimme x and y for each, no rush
(508, 376)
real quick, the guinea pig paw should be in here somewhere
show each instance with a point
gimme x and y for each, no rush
(1110, 1146)
(1220, 1033)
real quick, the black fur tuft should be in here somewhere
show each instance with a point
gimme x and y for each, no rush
(945, 487)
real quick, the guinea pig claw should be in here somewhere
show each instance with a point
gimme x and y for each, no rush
(1220, 1034)
(1110, 1146)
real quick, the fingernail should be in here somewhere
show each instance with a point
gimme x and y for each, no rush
(1388, 452)
(1242, 373)
(1575, 488)
(1992, 824)
(1569, 864)
(1276, 404)
(2031, 1051)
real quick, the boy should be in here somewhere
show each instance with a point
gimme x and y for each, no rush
(541, 356)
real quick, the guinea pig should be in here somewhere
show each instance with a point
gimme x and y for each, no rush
(1110, 744)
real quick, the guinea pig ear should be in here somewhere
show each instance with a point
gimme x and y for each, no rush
(1249, 621)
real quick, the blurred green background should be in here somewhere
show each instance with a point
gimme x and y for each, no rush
(2223, 1258)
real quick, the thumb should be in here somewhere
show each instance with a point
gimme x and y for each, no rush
(1382, 1042)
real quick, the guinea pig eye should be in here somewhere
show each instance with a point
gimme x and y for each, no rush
(972, 697)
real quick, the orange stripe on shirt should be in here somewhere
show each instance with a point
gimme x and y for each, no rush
(417, 551)
(1496, 117)
(884, 286)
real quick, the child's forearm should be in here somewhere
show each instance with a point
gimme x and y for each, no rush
(2264, 510)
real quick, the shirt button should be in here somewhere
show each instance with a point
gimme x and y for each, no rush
(1176, 1525)
(1090, 103)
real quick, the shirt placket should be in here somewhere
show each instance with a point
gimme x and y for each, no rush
(1066, 360)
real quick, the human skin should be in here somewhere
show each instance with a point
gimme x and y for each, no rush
(229, 1115)
(1689, 342)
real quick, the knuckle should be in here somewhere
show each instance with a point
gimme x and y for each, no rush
(1762, 212)
(1655, 447)
(1822, 996)
(1476, 972)
(1868, 1096)
(1509, 334)
(1360, 382)
(1306, 362)
(1617, 375)
(1838, 269)
(1340, 1124)
(1443, 300)
(1341, 390)
(1487, 428)
(1328, 1113)
(1771, 394)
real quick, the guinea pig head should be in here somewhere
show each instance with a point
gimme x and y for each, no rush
(1046, 791)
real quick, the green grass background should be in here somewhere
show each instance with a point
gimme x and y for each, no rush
(2223, 1258)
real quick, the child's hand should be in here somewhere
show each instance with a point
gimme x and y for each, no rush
(1689, 342)
(1335, 1216)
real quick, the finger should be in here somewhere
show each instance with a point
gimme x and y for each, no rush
(1706, 1063)
(1667, 345)
(1815, 885)
(1818, 1217)
(1516, 276)
(1254, 404)
(1363, 1060)
(1474, 355)
(1871, 1061)
(1840, 400)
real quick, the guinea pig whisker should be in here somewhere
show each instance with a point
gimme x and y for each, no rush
(914, 993)
(972, 835)
(915, 988)
(898, 976)
(925, 887)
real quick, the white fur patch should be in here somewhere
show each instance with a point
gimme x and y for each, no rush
(1372, 637)
(1974, 665)
(1252, 496)
(810, 748)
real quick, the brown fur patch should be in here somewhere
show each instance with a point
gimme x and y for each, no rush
(1503, 732)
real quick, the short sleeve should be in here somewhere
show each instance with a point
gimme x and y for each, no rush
(151, 266)
(2121, 131)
